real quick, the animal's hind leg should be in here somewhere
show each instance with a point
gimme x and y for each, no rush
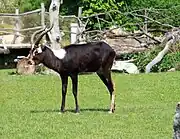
(112, 92)
(106, 78)
(107, 73)
(75, 86)
(103, 78)
(111, 89)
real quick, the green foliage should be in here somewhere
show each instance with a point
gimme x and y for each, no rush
(102, 6)
(142, 59)
(168, 10)
(8, 6)
(170, 60)
(145, 106)
(164, 11)
(5, 26)
(40, 69)
(70, 7)
(141, 4)
(29, 5)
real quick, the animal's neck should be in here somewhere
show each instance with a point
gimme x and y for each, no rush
(60, 53)
(52, 62)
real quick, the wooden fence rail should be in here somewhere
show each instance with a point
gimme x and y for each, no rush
(21, 14)
(20, 30)
(16, 29)
(16, 46)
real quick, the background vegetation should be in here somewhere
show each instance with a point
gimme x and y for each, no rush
(130, 13)
(170, 60)
(167, 10)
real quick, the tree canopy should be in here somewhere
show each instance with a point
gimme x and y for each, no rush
(165, 11)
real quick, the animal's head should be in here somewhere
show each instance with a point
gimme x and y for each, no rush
(38, 51)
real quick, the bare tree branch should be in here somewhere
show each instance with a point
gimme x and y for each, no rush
(167, 25)
(149, 35)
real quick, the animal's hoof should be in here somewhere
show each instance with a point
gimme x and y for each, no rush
(111, 111)
(60, 113)
(76, 111)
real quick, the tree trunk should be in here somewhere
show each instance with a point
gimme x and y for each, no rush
(17, 27)
(54, 19)
(159, 57)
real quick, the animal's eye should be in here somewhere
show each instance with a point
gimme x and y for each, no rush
(36, 52)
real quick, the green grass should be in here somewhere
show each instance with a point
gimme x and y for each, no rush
(145, 105)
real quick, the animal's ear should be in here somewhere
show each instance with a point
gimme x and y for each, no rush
(42, 47)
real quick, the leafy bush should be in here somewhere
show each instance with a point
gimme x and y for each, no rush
(95, 7)
(142, 59)
(5, 26)
(170, 60)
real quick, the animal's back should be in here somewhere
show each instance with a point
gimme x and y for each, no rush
(87, 57)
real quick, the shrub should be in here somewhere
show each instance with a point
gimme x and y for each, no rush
(142, 59)
(170, 60)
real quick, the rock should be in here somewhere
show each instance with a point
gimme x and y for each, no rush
(176, 122)
(125, 66)
(172, 69)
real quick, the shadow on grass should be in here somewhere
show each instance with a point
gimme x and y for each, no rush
(70, 110)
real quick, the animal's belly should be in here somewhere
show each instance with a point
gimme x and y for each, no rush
(89, 67)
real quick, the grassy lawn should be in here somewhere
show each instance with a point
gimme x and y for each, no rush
(145, 105)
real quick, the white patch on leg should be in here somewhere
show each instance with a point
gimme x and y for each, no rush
(109, 112)
(113, 99)
(112, 103)
(61, 53)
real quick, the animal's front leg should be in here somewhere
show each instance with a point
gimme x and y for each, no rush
(64, 90)
(74, 78)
